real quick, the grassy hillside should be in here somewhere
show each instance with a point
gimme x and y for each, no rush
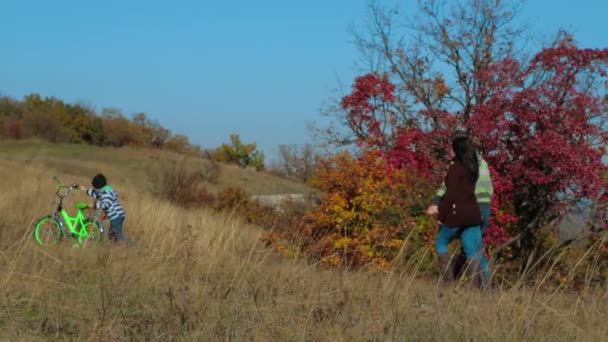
(196, 275)
(136, 166)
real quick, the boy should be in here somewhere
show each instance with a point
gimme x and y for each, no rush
(107, 199)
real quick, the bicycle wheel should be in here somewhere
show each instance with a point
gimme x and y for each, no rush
(47, 231)
(94, 234)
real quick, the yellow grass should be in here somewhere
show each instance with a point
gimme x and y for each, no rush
(198, 276)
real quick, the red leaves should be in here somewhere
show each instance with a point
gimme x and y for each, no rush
(568, 56)
(409, 151)
(539, 128)
(365, 89)
(370, 94)
(426, 152)
(369, 113)
(539, 133)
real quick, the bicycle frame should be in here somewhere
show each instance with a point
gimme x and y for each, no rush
(74, 224)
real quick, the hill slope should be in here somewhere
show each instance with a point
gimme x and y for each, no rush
(137, 166)
(197, 275)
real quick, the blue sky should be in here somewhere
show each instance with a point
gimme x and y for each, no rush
(207, 69)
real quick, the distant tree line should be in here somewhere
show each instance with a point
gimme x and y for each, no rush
(54, 120)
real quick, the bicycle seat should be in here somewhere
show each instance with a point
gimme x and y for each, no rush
(81, 205)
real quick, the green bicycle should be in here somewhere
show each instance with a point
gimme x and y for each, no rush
(85, 230)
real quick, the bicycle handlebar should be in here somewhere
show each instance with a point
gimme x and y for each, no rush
(68, 187)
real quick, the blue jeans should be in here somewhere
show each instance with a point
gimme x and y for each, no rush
(485, 216)
(485, 221)
(470, 237)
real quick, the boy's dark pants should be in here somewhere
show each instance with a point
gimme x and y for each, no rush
(116, 229)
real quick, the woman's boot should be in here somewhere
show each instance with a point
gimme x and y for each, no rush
(446, 269)
(473, 271)
(459, 263)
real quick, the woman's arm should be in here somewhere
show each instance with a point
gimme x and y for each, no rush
(449, 197)
(433, 208)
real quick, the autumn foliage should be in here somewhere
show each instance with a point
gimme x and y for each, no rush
(54, 120)
(542, 131)
(372, 116)
(539, 118)
(366, 214)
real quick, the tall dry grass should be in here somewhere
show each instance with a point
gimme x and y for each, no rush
(194, 275)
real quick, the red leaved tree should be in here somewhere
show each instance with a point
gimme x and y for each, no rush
(544, 131)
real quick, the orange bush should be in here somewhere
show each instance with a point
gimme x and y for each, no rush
(232, 197)
(366, 213)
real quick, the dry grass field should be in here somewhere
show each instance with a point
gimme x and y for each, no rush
(195, 275)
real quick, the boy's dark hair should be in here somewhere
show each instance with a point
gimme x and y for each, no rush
(99, 181)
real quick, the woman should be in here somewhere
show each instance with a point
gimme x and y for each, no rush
(458, 210)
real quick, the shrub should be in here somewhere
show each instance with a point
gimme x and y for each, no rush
(118, 131)
(283, 223)
(367, 211)
(45, 125)
(183, 186)
(13, 128)
(210, 172)
(178, 143)
(231, 197)
(575, 264)
(240, 154)
(235, 198)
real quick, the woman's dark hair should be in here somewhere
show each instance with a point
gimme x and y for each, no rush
(99, 181)
(465, 153)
